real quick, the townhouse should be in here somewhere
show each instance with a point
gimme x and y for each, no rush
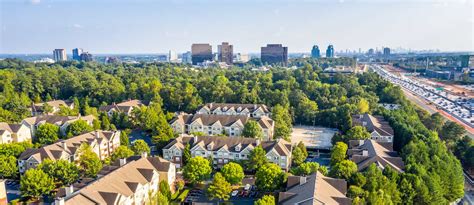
(210, 124)
(37, 108)
(366, 152)
(103, 143)
(379, 129)
(123, 107)
(62, 121)
(249, 110)
(129, 183)
(314, 189)
(14, 133)
(225, 149)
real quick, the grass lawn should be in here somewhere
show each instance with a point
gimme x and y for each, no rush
(180, 196)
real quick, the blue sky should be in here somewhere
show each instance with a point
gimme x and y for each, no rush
(156, 26)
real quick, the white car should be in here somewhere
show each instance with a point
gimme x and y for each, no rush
(234, 193)
(247, 187)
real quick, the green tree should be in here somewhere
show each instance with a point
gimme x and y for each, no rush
(140, 146)
(257, 158)
(338, 152)
(161, 199)
(165, 189)
(297, 156)
(197, 169)
(121, 152)
(452, 131)
(78, 127)
(266, 200)
(363, 106)
(124, 138)
(8, 167)
(35, 183)
(233, 172)
(344, 169)
(96, 124)
(219, 188)
(47, 133)
(186, 154)
(435, 122)
(105, 121)
(270, 177)
(62, 171)
(355, 133)
(252, 130)
(47, 109)
(306, 168)
(89, 162)
(283, 122)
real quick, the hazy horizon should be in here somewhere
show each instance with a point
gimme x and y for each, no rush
(151, 27)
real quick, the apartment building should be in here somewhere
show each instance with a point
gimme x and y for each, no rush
(14, 133)
(379, 129)
(366, 152)
(314, 189)
(132, 182)
(62, 121)
(103, 143)
(226, 149)
(37, 108)
(212, 124)
(123, 107)
(249, 110)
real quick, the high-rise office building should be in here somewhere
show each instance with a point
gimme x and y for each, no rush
(172, 56)
(201, 53)
(76, 54)
(86, 57)
(274, 54)
(226, 53)
(386, 51)
(315, 53)
(186, 57)
(242, 58)
(371, 52)
(59, 55)
(330, 52)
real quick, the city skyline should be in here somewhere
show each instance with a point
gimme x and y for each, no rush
(142, 27)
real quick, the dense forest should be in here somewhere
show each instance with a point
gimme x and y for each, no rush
(433, 174)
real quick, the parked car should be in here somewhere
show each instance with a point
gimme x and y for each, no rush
(247, 187)
(235, 192)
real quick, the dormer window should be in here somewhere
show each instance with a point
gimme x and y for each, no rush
(238, 147)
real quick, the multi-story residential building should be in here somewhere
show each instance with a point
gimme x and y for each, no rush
(14, 133)
(315, 189)
(274, 54)
(379, 129)
(62, 121)
(315, 53)
(330, 52)
(242, 57)
(201, 53)
(124, 107)
(103, 143)
(59, 55)
(230, 125)
(37, 108)
(249, 110)
(172, 56)
(225, 53)
(129, 183)
(76, 54)
(225, 149)
(186, 58)
(386, 51)
(366, 152)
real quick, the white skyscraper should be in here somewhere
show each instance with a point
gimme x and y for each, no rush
(172, 56)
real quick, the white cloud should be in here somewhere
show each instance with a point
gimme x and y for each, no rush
(77, 26)
(35, 1)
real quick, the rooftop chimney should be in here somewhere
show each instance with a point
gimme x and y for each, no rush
(361, 142)
(257, 142)
(302, 180)
(97, 134)
(63, 144)
(122, 161)
(59, 201)
(365, 153)
(69, 190)
(144, 154)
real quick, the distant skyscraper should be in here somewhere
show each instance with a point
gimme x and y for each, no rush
(112, 60)
(201, 53)
(59, 55)
(371, 52)
(274, 54)
(172, 56)
(330, 52)
(386, 51)
(186, 58)
(76, 54)
(315, 53)
(243, 58)
(86, 57)
(225, 52)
